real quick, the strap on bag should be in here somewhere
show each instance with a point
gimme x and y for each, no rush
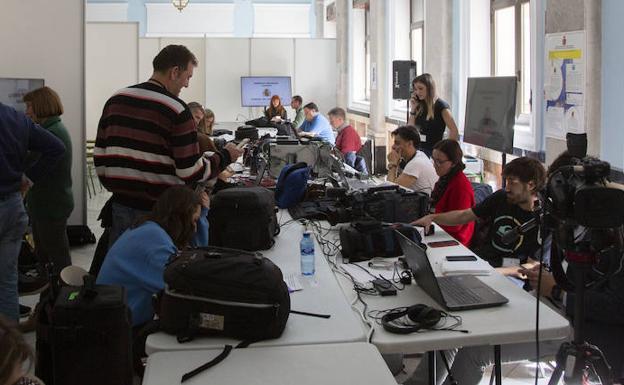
(226, 352)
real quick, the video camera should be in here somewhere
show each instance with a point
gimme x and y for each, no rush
(580, 195)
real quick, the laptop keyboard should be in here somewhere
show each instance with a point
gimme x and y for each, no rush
(457, 292)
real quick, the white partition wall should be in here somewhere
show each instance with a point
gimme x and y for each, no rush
(44, 39)
(112, 59)
(226, 61)
(222, 61)
(316, 77)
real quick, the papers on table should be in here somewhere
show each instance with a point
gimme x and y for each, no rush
(478, 267)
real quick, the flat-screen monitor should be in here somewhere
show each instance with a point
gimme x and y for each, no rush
(12, 91)
(491, 112)
(256, 91)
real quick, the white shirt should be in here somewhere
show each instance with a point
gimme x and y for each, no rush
(421, 168)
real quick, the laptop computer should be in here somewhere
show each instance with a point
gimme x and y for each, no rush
(459, 292)
(261, 170)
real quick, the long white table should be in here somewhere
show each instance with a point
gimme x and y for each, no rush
(510, 323)
(331, 364)
(321, 294)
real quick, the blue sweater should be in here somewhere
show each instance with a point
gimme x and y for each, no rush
(137, 261)
(18, 135)
(321, 127)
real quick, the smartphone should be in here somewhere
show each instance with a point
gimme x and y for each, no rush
(461, 258)
(450, 242)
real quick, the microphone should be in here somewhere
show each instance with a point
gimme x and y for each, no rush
(510, 237)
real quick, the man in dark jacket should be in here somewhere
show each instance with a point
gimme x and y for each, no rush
(18, 135)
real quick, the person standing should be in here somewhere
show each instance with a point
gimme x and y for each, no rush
(147, 141)
(18, 135)
(430, 114)
(51, 201)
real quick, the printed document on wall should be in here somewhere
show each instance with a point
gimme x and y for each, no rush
(564, 84)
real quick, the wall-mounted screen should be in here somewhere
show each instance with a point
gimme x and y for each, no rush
(491, 112)
(256, 91)
(13, 90)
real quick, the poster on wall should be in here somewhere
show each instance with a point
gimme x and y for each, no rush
(12, 91)
(564, 84)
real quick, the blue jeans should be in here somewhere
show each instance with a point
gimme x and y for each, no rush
(12, 227)
(123, 218)
(355, 161)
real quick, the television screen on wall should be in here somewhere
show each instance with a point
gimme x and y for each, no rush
(491, 112)
(12, 91)
(256, 91)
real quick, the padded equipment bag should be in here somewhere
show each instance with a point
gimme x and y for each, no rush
(292, 184)
(363, 240)
(84, 336)
(243, 218)
(223, 292)
(243, 132)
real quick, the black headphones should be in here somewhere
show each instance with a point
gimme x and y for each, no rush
(422, 316)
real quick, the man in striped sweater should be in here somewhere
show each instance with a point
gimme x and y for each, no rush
(147, 141)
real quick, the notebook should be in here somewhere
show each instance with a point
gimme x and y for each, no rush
(458, 292)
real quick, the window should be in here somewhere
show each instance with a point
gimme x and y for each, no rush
(360, 55)
(511, 49)
(417, 34)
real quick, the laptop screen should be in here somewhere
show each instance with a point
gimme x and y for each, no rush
(418, 263)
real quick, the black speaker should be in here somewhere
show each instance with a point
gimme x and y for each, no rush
(403, 72)
(577, 144)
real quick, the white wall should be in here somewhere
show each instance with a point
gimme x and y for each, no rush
(222, 61)
(45, 39)
(111, 62)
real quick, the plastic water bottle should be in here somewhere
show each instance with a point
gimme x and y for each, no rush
(306, 246)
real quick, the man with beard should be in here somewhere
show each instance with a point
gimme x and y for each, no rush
(503, 211)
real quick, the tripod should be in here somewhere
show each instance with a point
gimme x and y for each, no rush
(576, 358)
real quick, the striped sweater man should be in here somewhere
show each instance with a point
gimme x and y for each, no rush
(147, 142)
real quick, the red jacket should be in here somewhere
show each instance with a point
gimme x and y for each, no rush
(458, 196)
(348, 140)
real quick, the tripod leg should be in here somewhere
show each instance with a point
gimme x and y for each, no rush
(497, 364)
(562, 356)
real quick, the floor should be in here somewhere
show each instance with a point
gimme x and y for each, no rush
(513, 373)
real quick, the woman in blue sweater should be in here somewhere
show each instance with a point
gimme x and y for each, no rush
(137, 259)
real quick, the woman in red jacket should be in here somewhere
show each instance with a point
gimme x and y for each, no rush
(453, 190)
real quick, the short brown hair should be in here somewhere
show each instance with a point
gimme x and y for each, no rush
(173, 56)
(45, 102)
(452, 150)
(527, 170)
(338, 112)
(298, 99)
(409, 134)
(13, 349)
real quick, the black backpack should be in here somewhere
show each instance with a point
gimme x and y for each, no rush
(84, 336)
(223, 292)
(246, 132)
(243, 218)
(363, 240)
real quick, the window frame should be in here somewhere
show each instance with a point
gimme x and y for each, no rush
(358, 104)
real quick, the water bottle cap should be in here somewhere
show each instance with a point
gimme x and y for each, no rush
(306, 233)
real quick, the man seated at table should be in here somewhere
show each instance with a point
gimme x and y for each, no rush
(407, 165)
(315, 125)
(296, 103)
(504, 211)
(348, 141)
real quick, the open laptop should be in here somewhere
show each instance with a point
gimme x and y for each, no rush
(459, 292)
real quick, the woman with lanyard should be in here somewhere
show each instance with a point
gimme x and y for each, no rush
(430, 113)
(453, 190)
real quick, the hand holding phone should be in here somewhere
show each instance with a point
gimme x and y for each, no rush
(242, 143)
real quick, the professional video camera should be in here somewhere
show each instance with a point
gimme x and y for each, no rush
(585, 215)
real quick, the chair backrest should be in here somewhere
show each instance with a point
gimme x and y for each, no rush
(481, 191)
(482, 227)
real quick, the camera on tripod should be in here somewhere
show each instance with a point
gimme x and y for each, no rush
(580, 199)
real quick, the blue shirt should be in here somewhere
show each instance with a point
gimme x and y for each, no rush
(18, 135)
(320, 126)
(137, 262)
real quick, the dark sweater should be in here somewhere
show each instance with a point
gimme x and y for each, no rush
(51, 197)
(18, 135)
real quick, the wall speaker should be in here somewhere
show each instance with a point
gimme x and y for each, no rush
(403, 72)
